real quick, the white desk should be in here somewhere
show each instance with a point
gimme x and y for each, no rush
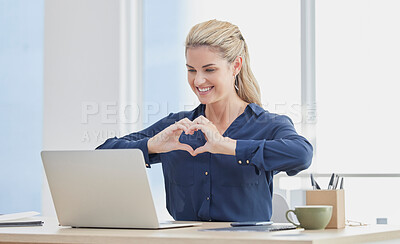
(52, 233)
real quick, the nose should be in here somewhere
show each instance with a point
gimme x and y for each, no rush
(199, 79)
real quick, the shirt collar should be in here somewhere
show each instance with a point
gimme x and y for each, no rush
(257, 110)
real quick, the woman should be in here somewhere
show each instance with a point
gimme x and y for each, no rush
(219, 159)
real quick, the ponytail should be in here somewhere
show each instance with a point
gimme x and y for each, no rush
(228, 39)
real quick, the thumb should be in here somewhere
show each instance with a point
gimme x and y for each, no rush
(185, 147)
(201, 149)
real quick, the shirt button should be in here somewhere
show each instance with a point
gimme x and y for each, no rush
(208, 198)
(206, 173)
(240, 162)
(247, 161)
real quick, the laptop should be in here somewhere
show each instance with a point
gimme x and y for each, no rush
(103, 189)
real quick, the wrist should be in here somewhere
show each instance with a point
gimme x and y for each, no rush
(228, 146)
(150, 147)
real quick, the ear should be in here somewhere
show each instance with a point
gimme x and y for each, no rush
(237, 65)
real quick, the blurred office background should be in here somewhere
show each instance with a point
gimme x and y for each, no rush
(76, 72)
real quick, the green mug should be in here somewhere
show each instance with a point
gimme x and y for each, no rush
(311, 217)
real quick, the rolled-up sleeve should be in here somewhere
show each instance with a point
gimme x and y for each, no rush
(122, 143)
(139, 140)
(287, 151)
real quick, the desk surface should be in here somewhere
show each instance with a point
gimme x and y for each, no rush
(52, 233)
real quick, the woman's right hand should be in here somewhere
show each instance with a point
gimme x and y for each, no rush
(168, 139)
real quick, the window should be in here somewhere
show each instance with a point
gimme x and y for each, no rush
(357, 60)
(21, 82)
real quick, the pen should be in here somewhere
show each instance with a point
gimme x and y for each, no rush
(341, 183)
(331, 181)
(313, 182)
(336, 182)
(316, 184)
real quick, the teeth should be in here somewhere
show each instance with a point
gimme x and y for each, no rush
(204, 89)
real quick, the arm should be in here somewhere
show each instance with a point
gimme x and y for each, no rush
(287, 151)
(140, 139)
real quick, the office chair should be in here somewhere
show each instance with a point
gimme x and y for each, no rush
(279, 208)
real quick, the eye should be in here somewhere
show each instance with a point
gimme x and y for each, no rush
(210, 70)
(191, 70)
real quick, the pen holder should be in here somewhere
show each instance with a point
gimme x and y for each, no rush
(329, 197)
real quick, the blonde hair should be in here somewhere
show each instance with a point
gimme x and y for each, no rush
(228, 40)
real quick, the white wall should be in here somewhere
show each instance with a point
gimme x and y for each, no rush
(81, 66)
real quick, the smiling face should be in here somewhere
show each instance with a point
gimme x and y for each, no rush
(210, 76)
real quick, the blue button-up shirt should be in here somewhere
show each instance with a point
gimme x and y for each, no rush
(221, 187)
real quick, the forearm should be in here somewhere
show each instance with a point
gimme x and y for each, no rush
(226, 146)
(287, 154)
(150, 146)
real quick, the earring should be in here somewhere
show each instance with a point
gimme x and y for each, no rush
(236, 82)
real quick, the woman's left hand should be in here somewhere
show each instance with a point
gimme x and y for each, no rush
(216, 143)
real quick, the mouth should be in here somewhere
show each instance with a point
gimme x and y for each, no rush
(204, 90)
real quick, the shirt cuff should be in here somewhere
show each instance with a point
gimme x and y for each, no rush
(142, 145)
(245, 150)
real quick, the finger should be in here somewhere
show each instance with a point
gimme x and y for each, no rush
(185, 122)
(185, 147)
(201, 120)
(205, 129)
(196, 127)
(201, 149)
(177, 127)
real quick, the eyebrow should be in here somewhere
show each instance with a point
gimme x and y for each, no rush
(205, 66)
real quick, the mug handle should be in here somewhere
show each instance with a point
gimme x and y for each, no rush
(291, 221)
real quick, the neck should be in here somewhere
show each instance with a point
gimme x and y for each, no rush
(225, 112)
